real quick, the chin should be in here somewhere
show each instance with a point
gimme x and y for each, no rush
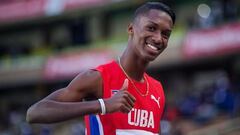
(149, 58)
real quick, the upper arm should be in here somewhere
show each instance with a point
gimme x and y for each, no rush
(86, 85)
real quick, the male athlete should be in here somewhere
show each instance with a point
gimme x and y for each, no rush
(117, 98)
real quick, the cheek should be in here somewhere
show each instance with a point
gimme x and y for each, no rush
(139, 38)
(165, 42)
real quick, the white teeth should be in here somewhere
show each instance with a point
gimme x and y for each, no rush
(152, 47)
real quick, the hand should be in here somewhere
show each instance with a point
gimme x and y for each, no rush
(122, 101)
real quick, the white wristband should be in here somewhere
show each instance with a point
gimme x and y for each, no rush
(103, 107)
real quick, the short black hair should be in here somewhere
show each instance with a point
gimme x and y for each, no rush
(154, 5)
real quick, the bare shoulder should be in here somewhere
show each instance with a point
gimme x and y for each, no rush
(86, 85)
(87, 82)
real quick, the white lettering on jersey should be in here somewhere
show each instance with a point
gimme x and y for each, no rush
(156, 100)
(151, 121)
(141, 118)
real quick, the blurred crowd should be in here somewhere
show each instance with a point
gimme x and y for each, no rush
(194, 109)
(202, 107)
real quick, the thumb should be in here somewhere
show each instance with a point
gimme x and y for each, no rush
(125, 85)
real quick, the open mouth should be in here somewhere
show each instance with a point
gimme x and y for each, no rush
(153, 47)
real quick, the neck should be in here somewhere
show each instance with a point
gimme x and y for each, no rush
(133, 65)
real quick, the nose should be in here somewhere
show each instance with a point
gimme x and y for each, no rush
(157, 38)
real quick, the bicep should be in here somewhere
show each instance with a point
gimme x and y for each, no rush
(86, 85)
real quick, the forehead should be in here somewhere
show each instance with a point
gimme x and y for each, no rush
(156, 16)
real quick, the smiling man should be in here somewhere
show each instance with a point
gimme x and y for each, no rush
(117, 98)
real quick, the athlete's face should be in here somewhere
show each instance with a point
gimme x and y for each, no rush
(149, 34)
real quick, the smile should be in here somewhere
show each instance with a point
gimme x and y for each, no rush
(152, 47)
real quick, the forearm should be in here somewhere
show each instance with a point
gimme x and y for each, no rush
(49, 111)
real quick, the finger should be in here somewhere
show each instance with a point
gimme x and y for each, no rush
(129, 99)
(125, 109)
(128, 103)
(125, 85)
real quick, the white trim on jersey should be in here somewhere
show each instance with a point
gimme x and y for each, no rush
(100, 125)
(133, 132)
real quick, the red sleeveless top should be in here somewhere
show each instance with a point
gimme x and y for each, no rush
(144, 119)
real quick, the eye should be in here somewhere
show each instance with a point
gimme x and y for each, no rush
(166, 34)
(151, 28)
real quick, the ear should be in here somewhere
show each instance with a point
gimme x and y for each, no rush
(130, 29)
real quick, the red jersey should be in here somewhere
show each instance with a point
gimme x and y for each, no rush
(143, 119)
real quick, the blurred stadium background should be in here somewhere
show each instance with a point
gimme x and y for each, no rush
(45, 43)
